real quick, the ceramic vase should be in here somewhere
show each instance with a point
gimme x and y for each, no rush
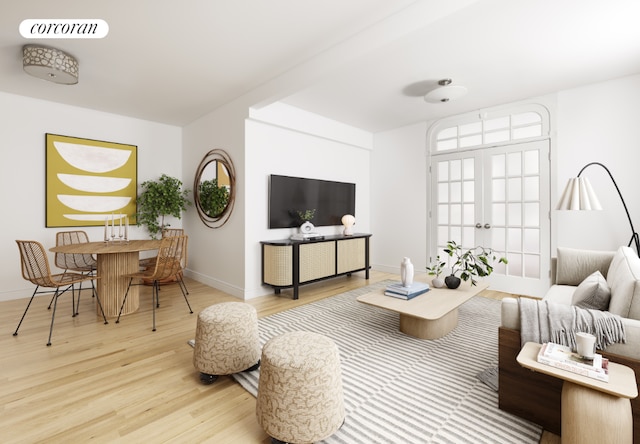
(406, 272)
(437, 282)
(452, 282)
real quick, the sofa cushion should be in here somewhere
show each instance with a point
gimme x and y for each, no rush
(592, 293)
(623, 278)
(575, 265)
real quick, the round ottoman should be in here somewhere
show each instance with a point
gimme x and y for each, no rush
(226, 340)
(300, 396)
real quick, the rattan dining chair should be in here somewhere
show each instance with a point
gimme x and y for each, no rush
(36, 269)
(168, 265)
(150, 261)
(82, 263)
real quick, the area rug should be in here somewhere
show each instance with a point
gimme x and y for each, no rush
(399, 389)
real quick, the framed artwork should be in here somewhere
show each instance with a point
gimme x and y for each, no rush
(89, 181)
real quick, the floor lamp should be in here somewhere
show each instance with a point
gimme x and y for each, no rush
(579, 195)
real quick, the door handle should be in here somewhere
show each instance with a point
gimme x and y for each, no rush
(487, 226)
(478, 225)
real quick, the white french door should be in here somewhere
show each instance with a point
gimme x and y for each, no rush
(497, 197)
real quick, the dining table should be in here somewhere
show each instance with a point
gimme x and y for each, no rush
(115, 260)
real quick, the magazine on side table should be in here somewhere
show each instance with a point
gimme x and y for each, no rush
(561, 356)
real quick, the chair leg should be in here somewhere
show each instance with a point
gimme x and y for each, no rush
(184, 293)
(124, 300)
(100, 305)
(15, 333)
(53, 314)
(74, 307)
(154, 293)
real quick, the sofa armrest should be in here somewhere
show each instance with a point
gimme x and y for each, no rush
(510, 313)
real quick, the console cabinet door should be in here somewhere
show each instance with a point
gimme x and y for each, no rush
(278, 265)
(317, 260)
(351, 255)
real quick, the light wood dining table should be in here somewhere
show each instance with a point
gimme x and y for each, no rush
(115, 260)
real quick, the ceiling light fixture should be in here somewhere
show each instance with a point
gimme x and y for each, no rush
(50, 64)
(445, 92)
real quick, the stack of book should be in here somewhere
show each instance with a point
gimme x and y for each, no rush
(397, 290)
(561, 356)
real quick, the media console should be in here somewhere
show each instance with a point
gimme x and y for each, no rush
(290, 263)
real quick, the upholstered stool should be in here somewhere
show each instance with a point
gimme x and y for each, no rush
(300, 396)
(226, 340)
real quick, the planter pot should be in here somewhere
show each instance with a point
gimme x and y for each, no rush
(452, 282)
(437, 282)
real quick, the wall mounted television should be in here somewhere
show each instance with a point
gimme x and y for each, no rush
(288, 195)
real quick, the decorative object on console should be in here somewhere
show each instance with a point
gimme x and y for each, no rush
(472, 263)
(579, 195)
(406, 272)
(50, 64)
(348, 221)
(435, 269)
(160, 198)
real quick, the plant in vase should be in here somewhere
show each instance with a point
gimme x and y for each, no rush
(435, 269)
(306, 216)
(470, 264)
(160, 198)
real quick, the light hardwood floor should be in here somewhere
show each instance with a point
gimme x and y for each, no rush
(123, 382)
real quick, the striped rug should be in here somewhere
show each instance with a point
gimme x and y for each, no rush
(400, 389)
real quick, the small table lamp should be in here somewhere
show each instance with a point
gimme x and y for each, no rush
(348, 220)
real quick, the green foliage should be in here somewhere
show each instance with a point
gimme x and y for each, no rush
(213, 199)
(160, 198)
(436, 267)
(306, 215)
(472, 263)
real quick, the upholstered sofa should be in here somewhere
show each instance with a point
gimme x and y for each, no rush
(535, 396)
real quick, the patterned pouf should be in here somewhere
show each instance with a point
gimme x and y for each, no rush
(300, 396)
(226, 340)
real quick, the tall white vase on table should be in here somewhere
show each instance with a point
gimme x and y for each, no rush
(406, 272)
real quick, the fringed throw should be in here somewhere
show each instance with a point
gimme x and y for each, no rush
(543, 321)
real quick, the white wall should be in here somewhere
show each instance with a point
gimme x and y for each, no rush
(600, 123)
(312, 147)
(216, 256)
(23, 124)
(399, 198)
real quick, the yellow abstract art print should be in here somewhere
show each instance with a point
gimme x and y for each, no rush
(89, 181)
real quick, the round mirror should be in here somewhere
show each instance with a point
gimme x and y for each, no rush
(214, 188)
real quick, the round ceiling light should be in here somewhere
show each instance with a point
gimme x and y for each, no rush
(445, 92)
(50, 64)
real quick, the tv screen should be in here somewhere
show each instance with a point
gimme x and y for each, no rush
(290, 195)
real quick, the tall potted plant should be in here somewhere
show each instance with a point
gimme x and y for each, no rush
(470, 264)
(160, 198)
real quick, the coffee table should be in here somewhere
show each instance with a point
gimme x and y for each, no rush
(430, 315)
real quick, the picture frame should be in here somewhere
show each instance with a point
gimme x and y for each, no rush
(89, 181)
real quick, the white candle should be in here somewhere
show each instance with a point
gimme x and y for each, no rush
(113, 223)
(106, 224)
(126, 229)
(120, 227)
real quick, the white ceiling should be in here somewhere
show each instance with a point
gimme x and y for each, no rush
(366, 63)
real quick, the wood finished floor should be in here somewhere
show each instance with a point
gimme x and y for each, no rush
(123, 382)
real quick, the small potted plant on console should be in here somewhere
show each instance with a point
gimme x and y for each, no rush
(470, 264)
(435, 269)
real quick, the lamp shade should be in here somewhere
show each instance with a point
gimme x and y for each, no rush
(579, 195)
(50, 64)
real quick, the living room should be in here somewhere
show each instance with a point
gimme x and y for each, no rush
(590, 121)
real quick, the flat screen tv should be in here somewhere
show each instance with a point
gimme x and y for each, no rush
(330, 200)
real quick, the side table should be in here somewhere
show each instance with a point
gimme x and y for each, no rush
(592, 410)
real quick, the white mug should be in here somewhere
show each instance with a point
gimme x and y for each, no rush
(586, 345)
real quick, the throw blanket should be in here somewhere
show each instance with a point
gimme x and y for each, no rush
(544, 321)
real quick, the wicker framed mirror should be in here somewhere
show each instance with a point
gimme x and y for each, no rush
(214, 188)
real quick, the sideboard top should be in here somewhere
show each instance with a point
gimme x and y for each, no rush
(327, 238)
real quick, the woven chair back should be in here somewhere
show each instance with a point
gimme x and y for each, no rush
(169, 260)
(35, 265)
(74, 261)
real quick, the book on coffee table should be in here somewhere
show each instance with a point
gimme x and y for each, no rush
(397, 290)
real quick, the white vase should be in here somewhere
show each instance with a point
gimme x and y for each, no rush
(437, 282)
(406, 272)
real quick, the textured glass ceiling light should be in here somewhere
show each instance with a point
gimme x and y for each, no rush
(579, 195)
(50, 64)
(445, 92)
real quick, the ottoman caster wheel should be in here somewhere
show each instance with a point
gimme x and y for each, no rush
(253, 367)
(208, 379)
(277, 441)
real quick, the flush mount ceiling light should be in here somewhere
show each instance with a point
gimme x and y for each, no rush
(445, 92)
(50, 64)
